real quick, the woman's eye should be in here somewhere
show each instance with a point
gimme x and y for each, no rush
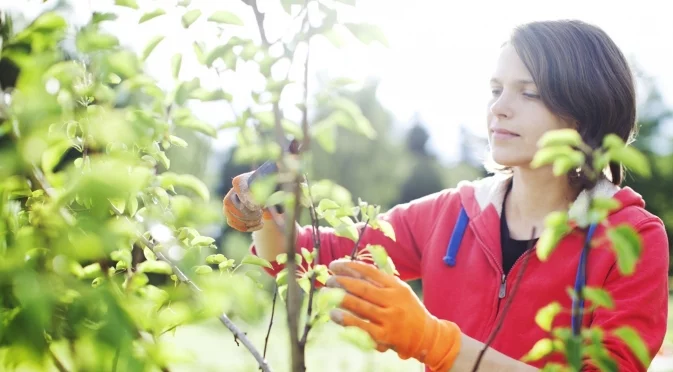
(495, 91)
(532, 95)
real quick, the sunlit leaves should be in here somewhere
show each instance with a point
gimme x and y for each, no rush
(225, 17)
(627, 245)
(190, 17)
(151, 15)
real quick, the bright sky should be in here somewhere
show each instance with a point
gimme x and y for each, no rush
(440, 56)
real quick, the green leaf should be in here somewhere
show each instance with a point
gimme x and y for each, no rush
(202, 241)
(52, 156)
(188, 181)
(127, 3)
(308, 256)
(347, 2)
(560, 137)
(548, 155)
(326, 204)
(190, 17)
(150, 15)
(357, 123)
(541, 349)
(71, 130)
(99, 17)
(381, 259)
(367, 33)
(210, 95)
(91, 271)
(197, 125)
(358, 337)
(613, 141)
(149, 255)
(601, 358)
(346, 231)
(549, 239)
(607, 204)
(156, 267)
(225, 17)
(281, 278)
(224, 265)
(177, 141)
(203, 269)
(627, 245)
(92, 41)
(556, 220)
(632, 339)
(386, 228)
(281, 258)
(215, 259)
(304, 284)
(151, 45)
(176, 62)
(632, 159)
(123, 63)
(545, 316)
(599, 297)
(254, 260)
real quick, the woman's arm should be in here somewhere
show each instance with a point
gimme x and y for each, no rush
(492, 360)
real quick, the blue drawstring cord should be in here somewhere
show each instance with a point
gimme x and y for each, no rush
(456, 238)
(580, 277)
(580, 282)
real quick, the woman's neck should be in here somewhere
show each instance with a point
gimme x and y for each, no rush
(535, 193)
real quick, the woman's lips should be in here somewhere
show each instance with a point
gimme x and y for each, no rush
(499, 133)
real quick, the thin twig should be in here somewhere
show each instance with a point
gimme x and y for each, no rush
(115, 361)
(316, 247)
(355, 247)
(57, 362)
(505, 308)
(273, 310)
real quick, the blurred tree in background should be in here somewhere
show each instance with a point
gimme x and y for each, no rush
(654, 141)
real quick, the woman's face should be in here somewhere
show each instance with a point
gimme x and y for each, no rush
(517, 117)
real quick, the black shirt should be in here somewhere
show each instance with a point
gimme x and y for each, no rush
(511, 249)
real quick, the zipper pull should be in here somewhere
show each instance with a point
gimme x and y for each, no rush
(503, 287)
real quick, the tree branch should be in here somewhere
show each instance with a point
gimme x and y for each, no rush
(57, 362)
(169, 242)
(316, 247)
(273, 310)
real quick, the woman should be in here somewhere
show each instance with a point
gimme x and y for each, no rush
(468, 243)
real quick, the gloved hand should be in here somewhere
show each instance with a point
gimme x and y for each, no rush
(240, 210)
(389, 311)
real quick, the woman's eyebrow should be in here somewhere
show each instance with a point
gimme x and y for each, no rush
(518, 81)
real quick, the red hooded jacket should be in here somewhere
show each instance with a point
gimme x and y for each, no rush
(451, 240)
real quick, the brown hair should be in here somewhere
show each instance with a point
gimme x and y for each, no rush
(582, 76)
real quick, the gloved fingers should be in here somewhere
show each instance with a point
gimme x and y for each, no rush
(364, 309)
(361, 288)
(349, 320)
(235, 208)
(240, 186)
(361, 270)
(242, 226)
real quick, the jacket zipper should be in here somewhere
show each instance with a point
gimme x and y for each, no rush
(502, 292)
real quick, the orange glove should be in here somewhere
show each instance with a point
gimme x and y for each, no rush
(241, 211)
(388, 310)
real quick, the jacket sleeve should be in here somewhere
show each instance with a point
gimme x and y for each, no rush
(410, 221)
(641, 301)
